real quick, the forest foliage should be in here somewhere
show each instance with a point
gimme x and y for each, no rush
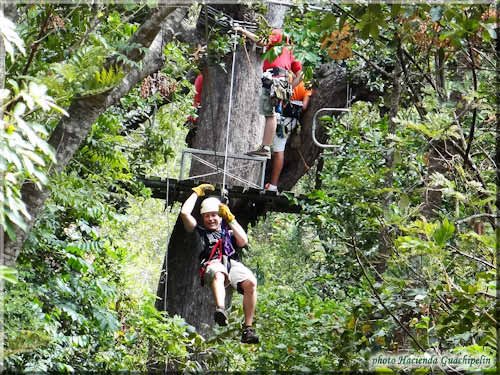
(366, 268)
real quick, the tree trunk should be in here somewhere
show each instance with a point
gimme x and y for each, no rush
(195, 304)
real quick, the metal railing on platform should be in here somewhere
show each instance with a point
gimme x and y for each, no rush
(229, 172)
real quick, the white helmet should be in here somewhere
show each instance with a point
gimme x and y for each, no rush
(210, 204)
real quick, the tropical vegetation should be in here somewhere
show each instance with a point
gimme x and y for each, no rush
(394, 251)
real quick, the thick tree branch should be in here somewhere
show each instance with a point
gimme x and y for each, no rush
(145, 35)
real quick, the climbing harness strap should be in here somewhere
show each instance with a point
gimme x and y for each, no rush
(223, 247)
(285, 125)
(280, 89)
(227, 243)
(216, 252)
(292, 110)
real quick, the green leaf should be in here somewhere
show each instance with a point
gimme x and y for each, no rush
(8, 274)
(78, 264)
(19, 109)
(444, 232)
(70, 309)
(10, 37)
(328, 22)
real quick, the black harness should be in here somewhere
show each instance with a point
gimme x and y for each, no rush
(213, 249)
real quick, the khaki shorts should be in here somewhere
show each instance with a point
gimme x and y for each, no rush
(237, 274)
(279, 143)
(266, 103)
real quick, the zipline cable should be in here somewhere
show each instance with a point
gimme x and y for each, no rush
(224, 21)
(235, 40)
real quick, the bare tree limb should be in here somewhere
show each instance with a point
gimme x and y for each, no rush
(472, 257)
(36, 44)
(477, 216)
(373, 65)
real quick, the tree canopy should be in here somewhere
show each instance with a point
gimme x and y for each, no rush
(394, 252)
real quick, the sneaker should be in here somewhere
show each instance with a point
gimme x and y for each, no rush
(270, 187)
(264, 151)
(248, 336)
(220, 316)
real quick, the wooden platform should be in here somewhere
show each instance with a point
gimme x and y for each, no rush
(179, 191)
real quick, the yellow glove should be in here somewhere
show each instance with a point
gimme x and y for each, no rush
(200, 190)
(225, 213)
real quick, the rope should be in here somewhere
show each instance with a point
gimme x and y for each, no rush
(235, 39)
(348, 95)
(153, 122)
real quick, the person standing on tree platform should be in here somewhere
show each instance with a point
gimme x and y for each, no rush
(220, 234)
(279, 78)
(198, 86)
(192, 121)
(287, 120)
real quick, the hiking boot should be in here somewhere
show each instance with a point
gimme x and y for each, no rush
(220, 316)
(248, 336)
(264, 151)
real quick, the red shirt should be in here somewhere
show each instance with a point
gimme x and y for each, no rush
(198, 85)
(284, 61)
